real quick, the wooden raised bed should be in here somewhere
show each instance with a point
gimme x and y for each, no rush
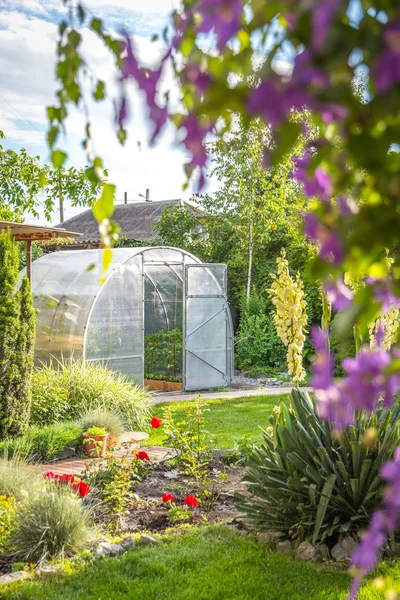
(156, 385)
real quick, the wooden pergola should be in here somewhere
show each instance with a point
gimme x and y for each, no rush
(22, 232)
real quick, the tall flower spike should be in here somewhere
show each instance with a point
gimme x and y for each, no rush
(290, 316)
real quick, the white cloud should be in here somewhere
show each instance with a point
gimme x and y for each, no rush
(27, 63)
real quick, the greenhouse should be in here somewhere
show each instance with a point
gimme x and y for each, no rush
(159, 314)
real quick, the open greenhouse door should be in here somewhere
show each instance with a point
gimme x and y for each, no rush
(208, 334)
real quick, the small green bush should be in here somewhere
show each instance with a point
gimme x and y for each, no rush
(96, 431)
(63, 391)
(257, 346)
(49, 524)
(18, 479)
(43, 444)
(112, 421)
(310, 483)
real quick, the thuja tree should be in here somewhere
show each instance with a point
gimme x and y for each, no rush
(227, 56)
(17, 332)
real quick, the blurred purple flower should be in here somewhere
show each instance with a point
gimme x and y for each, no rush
(147, 81)
(323, 14)
(221, 16)
(197, 77)
(196, 132)
(347, 206)
(386, 68)
(383, 523)
(316, 185)
(330, 245)
(338, 294)
(383, 292)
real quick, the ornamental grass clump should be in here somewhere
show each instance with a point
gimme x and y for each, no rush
(313, 483)
(63, 391)
(110, 420)
(49, 524)
(290, 316)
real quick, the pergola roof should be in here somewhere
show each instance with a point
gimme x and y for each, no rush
(24, 232)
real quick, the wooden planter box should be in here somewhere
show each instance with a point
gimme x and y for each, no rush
(163, 386)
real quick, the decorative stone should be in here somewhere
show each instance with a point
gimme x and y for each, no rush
(284, 548)
(268, 537)
(343, 549)
(307, 552)
(12, 577)
(148, 540)
(104, 549)
(128, 543)
(47, 569)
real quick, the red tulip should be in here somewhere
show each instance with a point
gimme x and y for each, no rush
(156, 422)
(168, 498)
(191, 501)
(81, 488)
(142, 455)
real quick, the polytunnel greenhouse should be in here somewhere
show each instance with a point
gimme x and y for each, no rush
(159, 313)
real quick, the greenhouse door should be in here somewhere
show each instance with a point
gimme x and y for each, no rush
(207, 328)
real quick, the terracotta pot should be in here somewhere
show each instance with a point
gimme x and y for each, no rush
(96, 445)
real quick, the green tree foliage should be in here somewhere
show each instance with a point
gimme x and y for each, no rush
(22, 178)
(17, 331)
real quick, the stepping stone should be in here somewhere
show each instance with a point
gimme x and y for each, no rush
(133, 436)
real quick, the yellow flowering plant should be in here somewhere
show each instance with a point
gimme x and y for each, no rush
(7, 517)
(290, 316)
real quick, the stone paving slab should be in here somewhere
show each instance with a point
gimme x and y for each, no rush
(185, 397)
(76, 465)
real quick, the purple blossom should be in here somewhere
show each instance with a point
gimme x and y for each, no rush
(197, 77)
(386, 68)
(347, 206)
(221, 16)
(330, 245)
(196, 132)
(383, 292)
(323, 14)
(317, 185)
(147, 81)
(384, 522)
(339, 295)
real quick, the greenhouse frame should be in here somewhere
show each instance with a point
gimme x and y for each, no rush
(149, 294)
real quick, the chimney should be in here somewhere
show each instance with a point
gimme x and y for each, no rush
(148, 195)
(125, 197)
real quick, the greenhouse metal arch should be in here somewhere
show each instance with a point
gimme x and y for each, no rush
(148, 292)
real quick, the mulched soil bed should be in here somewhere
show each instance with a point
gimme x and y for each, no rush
(150, 514)
(5, 564)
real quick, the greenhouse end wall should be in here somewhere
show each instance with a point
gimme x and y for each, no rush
(149, 293)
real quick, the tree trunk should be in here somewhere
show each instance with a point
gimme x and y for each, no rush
(60, 197)
(250, 269)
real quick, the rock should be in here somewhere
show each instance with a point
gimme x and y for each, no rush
(148, 540)
(12, 577)
(343, 549)
(128, 543)
(104, 549)
(307, 552)
(267, 537)
(284, 548)
(46, 569)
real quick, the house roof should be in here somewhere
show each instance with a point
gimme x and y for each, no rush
(136, 220)
(25, 232)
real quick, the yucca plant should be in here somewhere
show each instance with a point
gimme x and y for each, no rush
(313, 483)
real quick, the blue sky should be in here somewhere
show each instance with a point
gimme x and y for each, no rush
(28, 33)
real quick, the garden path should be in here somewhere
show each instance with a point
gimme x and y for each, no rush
(76, 465)
(186, 396)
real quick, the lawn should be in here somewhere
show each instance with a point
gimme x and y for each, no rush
(227, 419)
(210, 563)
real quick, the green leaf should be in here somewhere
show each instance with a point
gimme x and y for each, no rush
(323, 505)
(103, 208)
(99, 93)
(58, 158)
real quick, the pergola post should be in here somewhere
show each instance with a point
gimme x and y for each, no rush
(29, 259)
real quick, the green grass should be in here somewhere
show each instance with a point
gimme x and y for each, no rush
(211, 563)
(227, 419)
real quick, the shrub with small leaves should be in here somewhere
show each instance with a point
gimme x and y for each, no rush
(7, 520)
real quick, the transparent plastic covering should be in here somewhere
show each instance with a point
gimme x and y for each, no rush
(146, 291)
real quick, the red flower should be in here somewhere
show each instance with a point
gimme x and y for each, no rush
(50, 475)
(66, 478)
(191, 501)
(168, 498)
(81, 488)
(142, 455)
(156, 422)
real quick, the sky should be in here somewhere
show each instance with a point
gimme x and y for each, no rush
(28, 34)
